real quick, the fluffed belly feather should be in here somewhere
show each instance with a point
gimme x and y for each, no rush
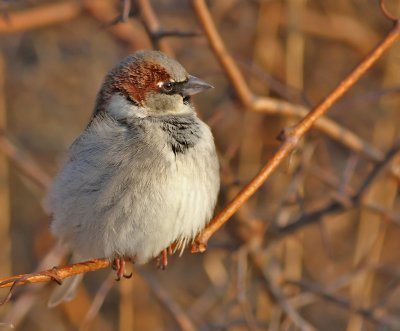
(169, 204)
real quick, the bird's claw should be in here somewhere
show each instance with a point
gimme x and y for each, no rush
(162, 259)
(119, 266)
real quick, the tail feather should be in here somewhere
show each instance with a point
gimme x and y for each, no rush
(66, 291)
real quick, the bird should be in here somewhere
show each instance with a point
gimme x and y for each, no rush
(142, 179)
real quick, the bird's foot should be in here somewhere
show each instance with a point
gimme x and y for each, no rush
(119, 266)
(162, 259)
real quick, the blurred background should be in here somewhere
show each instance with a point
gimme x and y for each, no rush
(316, 248)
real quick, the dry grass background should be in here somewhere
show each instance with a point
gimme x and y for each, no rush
(339, 273)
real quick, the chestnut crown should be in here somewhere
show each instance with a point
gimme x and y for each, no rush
(151, 80)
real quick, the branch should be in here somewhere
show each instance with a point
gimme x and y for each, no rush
(388, 15)
(98, 301)
(225, 59)
(126, 9)
(25, 301)
(157, 35)
(153, 26)
(324, 124)
(126, 13)
(179, 315)
(291, 136)
(24, 162)
(40, 16)
(131, 32)
(270, 277)
(337, 206)
(336, 27)
(372, 314)
(57, 273)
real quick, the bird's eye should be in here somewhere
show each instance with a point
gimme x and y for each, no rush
(168, 87)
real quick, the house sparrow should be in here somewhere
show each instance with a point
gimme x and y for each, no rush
(143, 176)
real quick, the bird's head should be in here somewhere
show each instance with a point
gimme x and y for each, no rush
(148, 83)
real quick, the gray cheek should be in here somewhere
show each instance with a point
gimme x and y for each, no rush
(161, 103)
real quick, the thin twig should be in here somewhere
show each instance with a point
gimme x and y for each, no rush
(388, 15)
(226, 60)
(24, 162)
(176, 311)
(334, 26)
(156, 36)
(324, 124)
(153, 26)
(241, 290)
(38, 17)
(131, 32)
(20, 307)
(335, 207)
(7, 325)
(374, 315)
(277, 294)
(126, 9)
(98, 301)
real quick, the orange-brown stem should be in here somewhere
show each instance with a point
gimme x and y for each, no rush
(292, 136)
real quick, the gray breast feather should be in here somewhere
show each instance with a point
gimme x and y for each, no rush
(135, 189)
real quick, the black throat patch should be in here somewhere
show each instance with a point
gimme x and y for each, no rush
(183, 131)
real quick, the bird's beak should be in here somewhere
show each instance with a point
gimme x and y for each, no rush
(194, 85)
